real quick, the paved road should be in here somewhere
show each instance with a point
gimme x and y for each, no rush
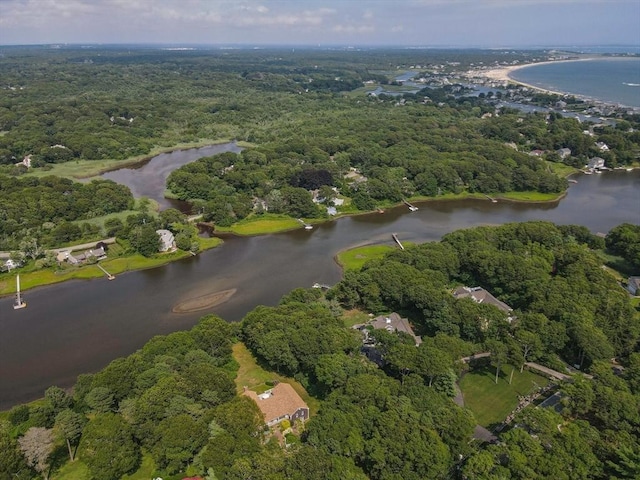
(548, 371)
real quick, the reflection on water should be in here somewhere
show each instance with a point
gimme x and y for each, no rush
(80, 326)
(148, 179)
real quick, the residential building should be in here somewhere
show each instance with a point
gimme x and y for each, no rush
(280, 403)
(633, 285)
(480, 295)
(168, 242)
(595, 163)
(391, 323)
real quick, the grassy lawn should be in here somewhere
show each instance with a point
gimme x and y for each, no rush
(146, 471)
(253, 376)
(113, 265)
(355, 258)
(530, 196)
(263, 224)
(354, 317)
(561, 169)
(72, 471)
(491, 403)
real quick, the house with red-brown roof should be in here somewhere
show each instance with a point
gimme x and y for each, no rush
(281, 402)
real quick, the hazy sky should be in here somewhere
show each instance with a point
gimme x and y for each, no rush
(489, 23)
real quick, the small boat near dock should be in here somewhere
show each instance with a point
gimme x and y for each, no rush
(19, 301)
(307, 226)
(411, 207)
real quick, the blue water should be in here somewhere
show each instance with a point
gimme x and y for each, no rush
(612, 80)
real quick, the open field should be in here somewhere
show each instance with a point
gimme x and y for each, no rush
(355, 258)
(263, 224)
(354, 317)
(252, 375)
(90, 168)
(491, 402)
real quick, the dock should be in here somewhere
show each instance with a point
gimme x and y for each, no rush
(395, 237)
(411, 207)
(109, 276)
(307, 226)
(493, 200)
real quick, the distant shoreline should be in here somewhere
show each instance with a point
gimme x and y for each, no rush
(503, 74)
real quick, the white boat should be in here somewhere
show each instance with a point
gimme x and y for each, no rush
(19, 302)
(412, 208)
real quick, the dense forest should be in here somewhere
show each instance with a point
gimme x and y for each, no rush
(173, 404)
(308, 117)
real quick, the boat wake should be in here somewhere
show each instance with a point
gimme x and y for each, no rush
(631, 84)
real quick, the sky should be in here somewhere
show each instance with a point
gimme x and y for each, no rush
(472, 23)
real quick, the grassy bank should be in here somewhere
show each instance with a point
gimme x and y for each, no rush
(355, 258)
(78, 169)
(114, 266)
(261, 225)
(255, 377)
(491, 402)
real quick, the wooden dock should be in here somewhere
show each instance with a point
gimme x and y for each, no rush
(109, 276)
(493, 200)
(395, 237)
(411, 207)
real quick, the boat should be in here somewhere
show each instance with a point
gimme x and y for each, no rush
(308, 226)
(19, 302)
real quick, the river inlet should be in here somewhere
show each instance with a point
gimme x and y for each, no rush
(80, 326)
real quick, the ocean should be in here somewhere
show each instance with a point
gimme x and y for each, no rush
(611, 80)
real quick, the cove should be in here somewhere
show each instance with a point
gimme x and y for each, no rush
(80, 326)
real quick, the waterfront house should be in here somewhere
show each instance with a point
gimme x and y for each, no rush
(280, 403)
(167, 240)
(391, 323)
(595, 163)
(633, 285)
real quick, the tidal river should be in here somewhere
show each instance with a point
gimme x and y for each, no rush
(79, 326)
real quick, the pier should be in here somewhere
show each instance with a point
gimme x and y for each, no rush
(307, 226)
(411, 207)
(493, 200)
(109, 276)
(395, 237)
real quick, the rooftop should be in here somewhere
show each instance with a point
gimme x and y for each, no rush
(480, 295)
(278, 402)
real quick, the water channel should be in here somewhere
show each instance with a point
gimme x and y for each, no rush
(79, 326)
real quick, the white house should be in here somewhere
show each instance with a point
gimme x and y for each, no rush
(168, 242)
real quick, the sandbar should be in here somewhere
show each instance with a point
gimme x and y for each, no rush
(203, 302)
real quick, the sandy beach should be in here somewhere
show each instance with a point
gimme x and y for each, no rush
(503, 74)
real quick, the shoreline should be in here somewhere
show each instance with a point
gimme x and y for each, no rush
(504, 74)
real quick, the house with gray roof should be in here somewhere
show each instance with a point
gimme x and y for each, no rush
(167, 240)
(480, 295)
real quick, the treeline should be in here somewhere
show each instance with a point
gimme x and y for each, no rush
(44, 208)
(60, 106)
(174, 401)
(418, 150)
